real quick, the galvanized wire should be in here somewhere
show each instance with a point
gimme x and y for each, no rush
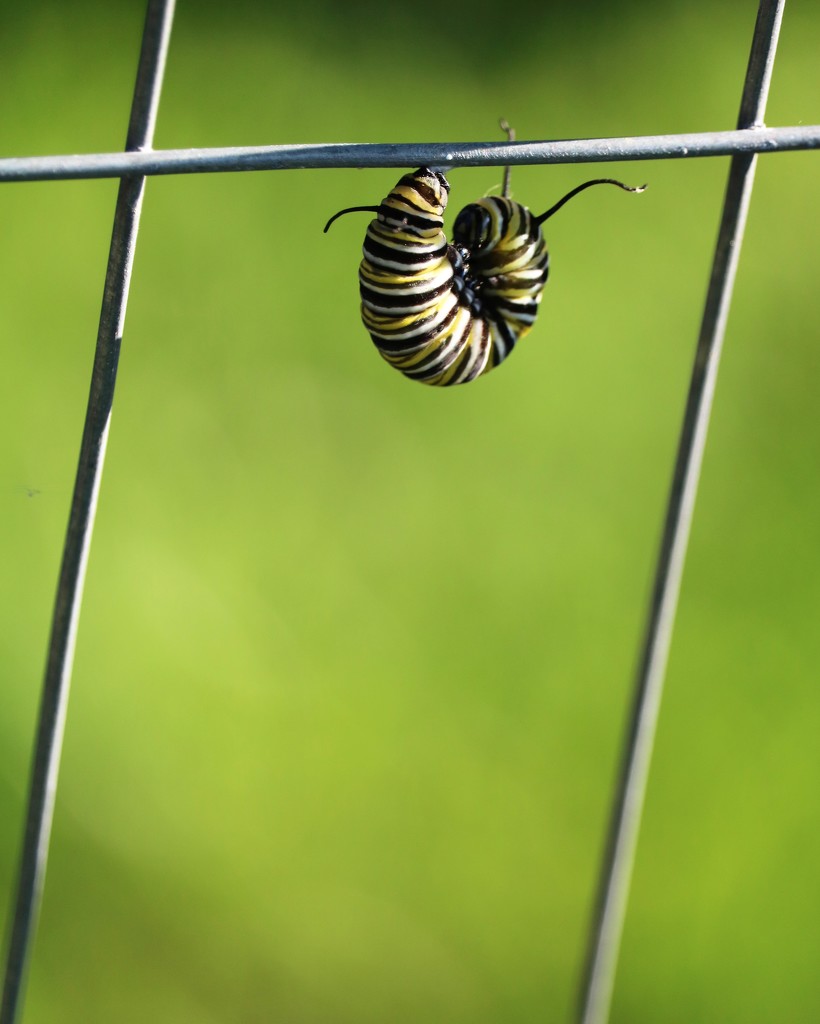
(607, 925)
(54, 700)
(430, 154)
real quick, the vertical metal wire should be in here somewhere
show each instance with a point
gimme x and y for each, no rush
(54, 700)
(607, 927)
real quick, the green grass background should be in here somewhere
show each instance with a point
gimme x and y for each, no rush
(355, 655)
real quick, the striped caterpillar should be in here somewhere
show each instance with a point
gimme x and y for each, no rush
(447, 313)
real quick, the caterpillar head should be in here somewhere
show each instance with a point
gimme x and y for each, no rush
(474, 227)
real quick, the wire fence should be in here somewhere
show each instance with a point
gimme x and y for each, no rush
(138, 161)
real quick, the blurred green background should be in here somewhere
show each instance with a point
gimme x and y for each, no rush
(355, 654)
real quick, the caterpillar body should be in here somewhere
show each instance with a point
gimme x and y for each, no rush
(447, 313)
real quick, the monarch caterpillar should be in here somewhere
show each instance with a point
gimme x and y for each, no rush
(447, 313)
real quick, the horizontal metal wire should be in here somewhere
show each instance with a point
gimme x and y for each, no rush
(431, 154)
